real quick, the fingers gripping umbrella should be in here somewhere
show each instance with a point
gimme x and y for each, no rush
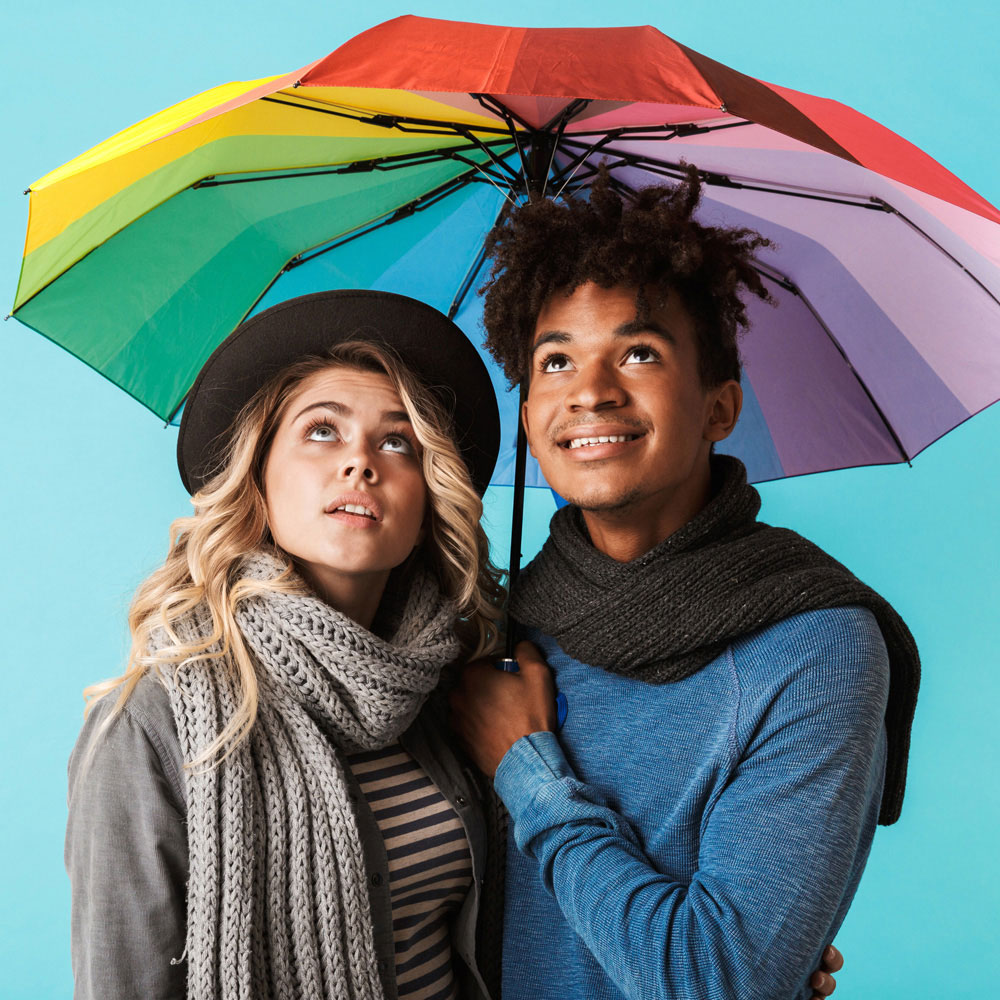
(384, 164)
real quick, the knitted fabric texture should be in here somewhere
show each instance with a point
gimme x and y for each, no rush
(277, 893)
(676, 608)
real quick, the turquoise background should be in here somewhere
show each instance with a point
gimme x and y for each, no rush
(89, 482)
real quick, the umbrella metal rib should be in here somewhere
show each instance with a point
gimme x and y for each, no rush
(477, 264)
(787, 283)
(772, 274)
(674, 170)
(402, 212)
(930, 239)
(674, 130)
(467, 282)
(425, 201)
(381, 164)
(562, 118)
(402, 123)
(496, 107)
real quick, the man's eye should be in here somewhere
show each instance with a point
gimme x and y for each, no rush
(556, 363)
(398, 443)
(641, 355)
(321, 432)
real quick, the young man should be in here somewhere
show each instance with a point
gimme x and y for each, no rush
(739, 704)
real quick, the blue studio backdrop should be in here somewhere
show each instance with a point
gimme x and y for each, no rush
(90, 483)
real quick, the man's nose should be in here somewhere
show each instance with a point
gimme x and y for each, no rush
(596, 387)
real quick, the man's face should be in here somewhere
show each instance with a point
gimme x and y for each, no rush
(616, 413)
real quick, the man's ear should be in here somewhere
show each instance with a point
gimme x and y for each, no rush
(725, 402)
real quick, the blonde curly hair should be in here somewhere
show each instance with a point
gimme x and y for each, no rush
(230, 520)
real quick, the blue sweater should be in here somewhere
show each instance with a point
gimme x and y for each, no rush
(701, 839)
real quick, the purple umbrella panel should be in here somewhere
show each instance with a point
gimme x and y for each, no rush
(885, 329)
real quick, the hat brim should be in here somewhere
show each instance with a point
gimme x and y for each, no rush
(429, 344)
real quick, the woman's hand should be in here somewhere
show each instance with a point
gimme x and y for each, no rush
(822, 980)
(491, 709)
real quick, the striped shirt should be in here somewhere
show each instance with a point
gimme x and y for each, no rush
(430, 867)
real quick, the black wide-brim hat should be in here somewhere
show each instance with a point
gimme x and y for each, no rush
(428, 344)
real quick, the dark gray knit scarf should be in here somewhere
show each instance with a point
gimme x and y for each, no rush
(676, 608)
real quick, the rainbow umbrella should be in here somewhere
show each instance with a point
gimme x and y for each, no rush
(384, 164)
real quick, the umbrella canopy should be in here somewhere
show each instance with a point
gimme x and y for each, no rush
(384, 164)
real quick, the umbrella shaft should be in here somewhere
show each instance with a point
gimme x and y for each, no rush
(517, 516)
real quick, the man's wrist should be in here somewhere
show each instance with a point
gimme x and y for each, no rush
(531, 762)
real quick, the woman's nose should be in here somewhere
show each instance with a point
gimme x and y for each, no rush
(367, 473)
(359, 462)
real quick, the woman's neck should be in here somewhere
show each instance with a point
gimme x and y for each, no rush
(356, 595)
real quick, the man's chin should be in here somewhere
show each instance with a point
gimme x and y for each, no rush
(619, 502)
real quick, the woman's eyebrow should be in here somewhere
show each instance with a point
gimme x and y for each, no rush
(343, 410)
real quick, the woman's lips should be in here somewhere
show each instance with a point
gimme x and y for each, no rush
(355, 506)
(354, 520)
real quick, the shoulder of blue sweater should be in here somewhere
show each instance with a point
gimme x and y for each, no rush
(823, 626)
(844, 644)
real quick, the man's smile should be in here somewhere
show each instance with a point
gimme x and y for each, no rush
(592, 433)
(589, 442)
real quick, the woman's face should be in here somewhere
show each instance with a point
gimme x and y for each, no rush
(343, 483)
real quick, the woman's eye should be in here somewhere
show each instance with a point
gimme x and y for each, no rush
(398, 443)
(641, 355)
(556, 363)
(321, 432)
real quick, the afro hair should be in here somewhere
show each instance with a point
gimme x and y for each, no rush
(646, 239)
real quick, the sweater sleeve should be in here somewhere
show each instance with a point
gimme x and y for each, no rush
(126, 856)
(781, 844)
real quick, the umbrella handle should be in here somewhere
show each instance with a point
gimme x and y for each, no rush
(509, 666)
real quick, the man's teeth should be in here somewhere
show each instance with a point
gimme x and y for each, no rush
(353, 508)
(603, 439)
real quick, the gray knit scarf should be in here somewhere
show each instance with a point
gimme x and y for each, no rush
(676, 608)
(277, 892)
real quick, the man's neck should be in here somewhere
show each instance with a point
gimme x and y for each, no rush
(628, 532)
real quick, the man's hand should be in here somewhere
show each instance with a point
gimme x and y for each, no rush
(491, 710)
(822, 980)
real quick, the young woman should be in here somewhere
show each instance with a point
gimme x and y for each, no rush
(265, 804)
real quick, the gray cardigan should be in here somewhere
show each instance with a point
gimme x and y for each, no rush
(127, 853)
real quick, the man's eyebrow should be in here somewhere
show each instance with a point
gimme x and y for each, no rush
(551, 337)
(343, 410)
(634, 326)
(627, 329)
